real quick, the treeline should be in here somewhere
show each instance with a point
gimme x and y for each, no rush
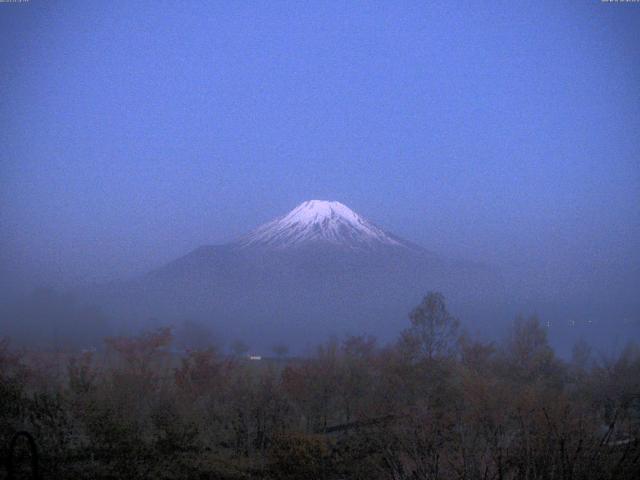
(435, 404)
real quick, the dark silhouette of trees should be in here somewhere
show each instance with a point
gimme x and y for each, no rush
(433, 331)
(239, 348)
(436, 404)
(193, 335)
(280, 350)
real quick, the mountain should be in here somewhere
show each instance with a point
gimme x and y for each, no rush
(320, 269)
(319, 222)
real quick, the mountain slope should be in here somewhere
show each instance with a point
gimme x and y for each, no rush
(320, 222)
(320, 269)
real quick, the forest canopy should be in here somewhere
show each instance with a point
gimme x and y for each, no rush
(435, 404)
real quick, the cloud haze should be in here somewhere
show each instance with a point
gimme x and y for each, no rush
(134, 133)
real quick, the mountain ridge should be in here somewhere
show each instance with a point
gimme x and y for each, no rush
(320, 269)
(327, 222)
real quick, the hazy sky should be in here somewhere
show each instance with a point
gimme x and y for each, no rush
(507, 132)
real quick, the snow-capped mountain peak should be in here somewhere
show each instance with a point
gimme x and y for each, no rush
(320, 222)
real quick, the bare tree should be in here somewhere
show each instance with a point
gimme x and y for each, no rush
(433, 331)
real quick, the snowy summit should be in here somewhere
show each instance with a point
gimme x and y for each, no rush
(320, 222)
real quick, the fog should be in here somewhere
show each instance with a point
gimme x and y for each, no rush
(134, 134)
(319, 240)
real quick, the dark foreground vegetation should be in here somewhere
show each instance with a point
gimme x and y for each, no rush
(434, 405)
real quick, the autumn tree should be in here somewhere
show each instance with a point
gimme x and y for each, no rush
(527, 354)
(433, 332)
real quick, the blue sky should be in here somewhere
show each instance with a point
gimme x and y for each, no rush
(506, 132)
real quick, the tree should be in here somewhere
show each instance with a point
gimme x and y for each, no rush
(193, 335)
(528, 353)
(475, 354)
(141, 354)
(239, 348)
(280, 350)
(433, 332)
